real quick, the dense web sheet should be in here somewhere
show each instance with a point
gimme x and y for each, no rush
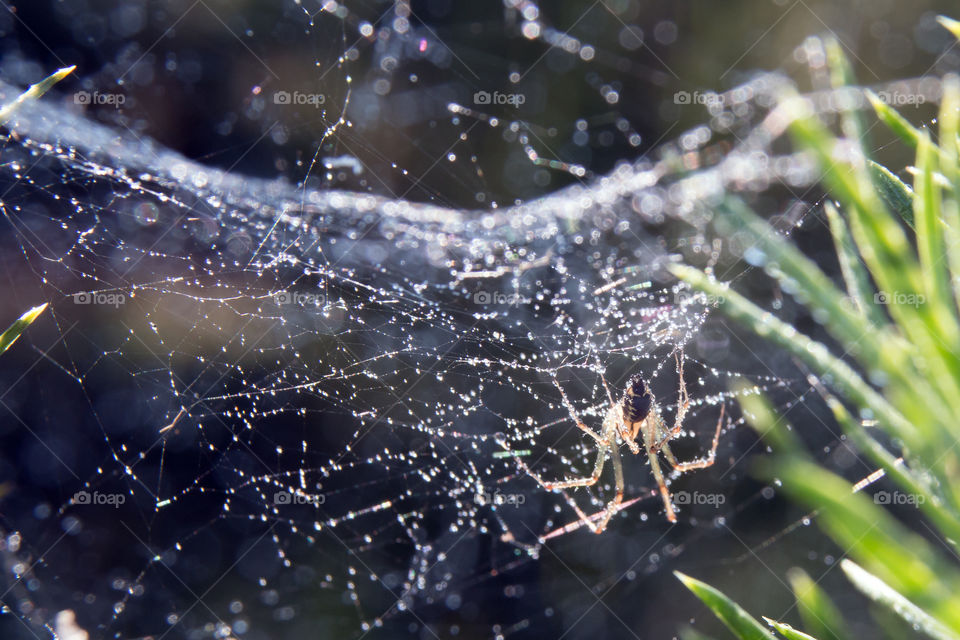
(336, 396)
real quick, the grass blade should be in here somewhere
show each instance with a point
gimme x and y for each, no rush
(950, 25)
(895, 193)
(741, 623)
(799, 274)
(689, 633)
(879, 591)
(866, 531)
(817, 610)
(787, 631)
(950, 159)
(892, 118)
(859, 287)
(815, 354)
(10, 335)
(842, 79)
(33, 92)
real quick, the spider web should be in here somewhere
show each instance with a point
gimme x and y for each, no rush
(258, 407)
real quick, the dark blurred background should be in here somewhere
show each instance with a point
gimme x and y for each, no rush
(202, 77)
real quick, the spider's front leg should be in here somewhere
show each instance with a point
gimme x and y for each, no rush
(683, 403)
(700, 463)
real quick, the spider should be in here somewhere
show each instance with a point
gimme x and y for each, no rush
(637, 413)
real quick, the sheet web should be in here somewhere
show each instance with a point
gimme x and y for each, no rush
(266, 408)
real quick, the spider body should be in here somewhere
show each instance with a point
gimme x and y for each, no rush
(635, 414)
(636, 401)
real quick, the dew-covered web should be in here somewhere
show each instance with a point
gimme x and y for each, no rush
(263, 407)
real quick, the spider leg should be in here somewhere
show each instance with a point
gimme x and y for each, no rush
(614, 504)
(664, 492)
(683, 403)
(573, 414)
(628, 436)
(580, 482)
(700, 463)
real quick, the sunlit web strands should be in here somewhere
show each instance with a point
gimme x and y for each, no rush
(354, 373)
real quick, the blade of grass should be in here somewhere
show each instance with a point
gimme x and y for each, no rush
(867, 532)
(815, 354)
(817, 610)
(933, 507)
(787, 631)
(8, 337)
(895, 193)
(950, 25)
(33, 92)
(758, 411)
(842, 79)
(741, 623)
(883, 244)
(930, 245)
(859, 287)
(894, 121)
(879, 237)
(689, 633)
(797, 273)
(886, 352)
(879, 591)
(950, 166)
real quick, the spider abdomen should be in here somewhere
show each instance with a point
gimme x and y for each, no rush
(636, 400)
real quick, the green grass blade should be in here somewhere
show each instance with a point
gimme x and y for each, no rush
(10, 335)
(800, 275)
(741, 623)
(895, 193)
(946, 519)
(859, 287)
(689, 633)
(892, 118)
(882, 242)
(867, 532)
(950, 25)
(879, 591)
(813, 353)
(842, 79)
(775, 430)
(33, 92)
(880, 238)
(932, 252)
(787, 631)
(950, 166)
(817, 610)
